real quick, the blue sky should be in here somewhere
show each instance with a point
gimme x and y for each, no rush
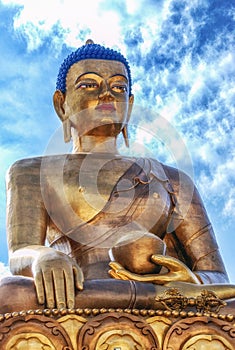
(183, 66)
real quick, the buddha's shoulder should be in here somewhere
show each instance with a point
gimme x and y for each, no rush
(26, 163)
(35, 165)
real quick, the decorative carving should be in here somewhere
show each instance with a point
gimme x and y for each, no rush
(160, 326)
(172, 299)
(109, 329)
(33, 332)
(207, 342)
(118, 341)
(72, 324)
(117, 331)
(207, 301)
(196, 332)
(32, 341)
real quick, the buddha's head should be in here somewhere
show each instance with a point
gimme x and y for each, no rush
(93, 92)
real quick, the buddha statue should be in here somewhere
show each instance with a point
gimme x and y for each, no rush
(96, 228)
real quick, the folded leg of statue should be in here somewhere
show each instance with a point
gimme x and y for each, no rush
(112, 294)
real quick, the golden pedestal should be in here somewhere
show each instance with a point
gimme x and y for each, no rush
(116, 329)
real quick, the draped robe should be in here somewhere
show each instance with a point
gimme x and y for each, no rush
(84, 204)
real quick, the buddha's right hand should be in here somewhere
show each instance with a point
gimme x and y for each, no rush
(56, 277)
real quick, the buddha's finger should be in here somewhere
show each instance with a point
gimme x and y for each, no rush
(114, 275)
(168, 262)
(71, 281)
(127, 275)
(78, 277)
(59, 281)
(119, 272)
(115, 266)
(49, 289)
(115, 269)
(38, 280)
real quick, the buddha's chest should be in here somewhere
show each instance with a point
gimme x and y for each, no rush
(118, 190)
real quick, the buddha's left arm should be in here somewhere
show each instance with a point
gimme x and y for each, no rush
(196, 236)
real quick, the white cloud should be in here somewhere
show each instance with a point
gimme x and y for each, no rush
(4, 270)
(229, 208)
(36, 21)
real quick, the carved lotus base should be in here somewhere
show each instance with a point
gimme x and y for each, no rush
(116, 329)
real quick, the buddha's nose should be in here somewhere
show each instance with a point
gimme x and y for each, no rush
(106, 93)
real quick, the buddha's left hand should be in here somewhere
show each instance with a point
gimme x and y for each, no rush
(177, 271)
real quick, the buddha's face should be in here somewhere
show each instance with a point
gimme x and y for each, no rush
(97, 97)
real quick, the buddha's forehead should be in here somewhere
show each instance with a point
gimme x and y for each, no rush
(104, 68)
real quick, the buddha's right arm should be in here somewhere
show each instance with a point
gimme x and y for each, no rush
(26, 215)
(55, 274)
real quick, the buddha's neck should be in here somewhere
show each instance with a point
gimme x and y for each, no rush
(95, 144)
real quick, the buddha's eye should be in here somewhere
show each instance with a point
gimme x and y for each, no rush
(120, 88)
(87, 85)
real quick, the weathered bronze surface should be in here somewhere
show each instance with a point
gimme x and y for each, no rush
(94, 230)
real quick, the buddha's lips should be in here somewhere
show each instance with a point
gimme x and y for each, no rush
(105, 107)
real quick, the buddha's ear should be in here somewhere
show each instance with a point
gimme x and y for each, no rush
(125, 126)
(131, 101)
(58, 101)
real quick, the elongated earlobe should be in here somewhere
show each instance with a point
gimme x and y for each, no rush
(67, 130)
(58, 101)
(125, 136)
(125, 130)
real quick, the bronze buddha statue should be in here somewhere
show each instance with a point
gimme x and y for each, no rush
(95, 227)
